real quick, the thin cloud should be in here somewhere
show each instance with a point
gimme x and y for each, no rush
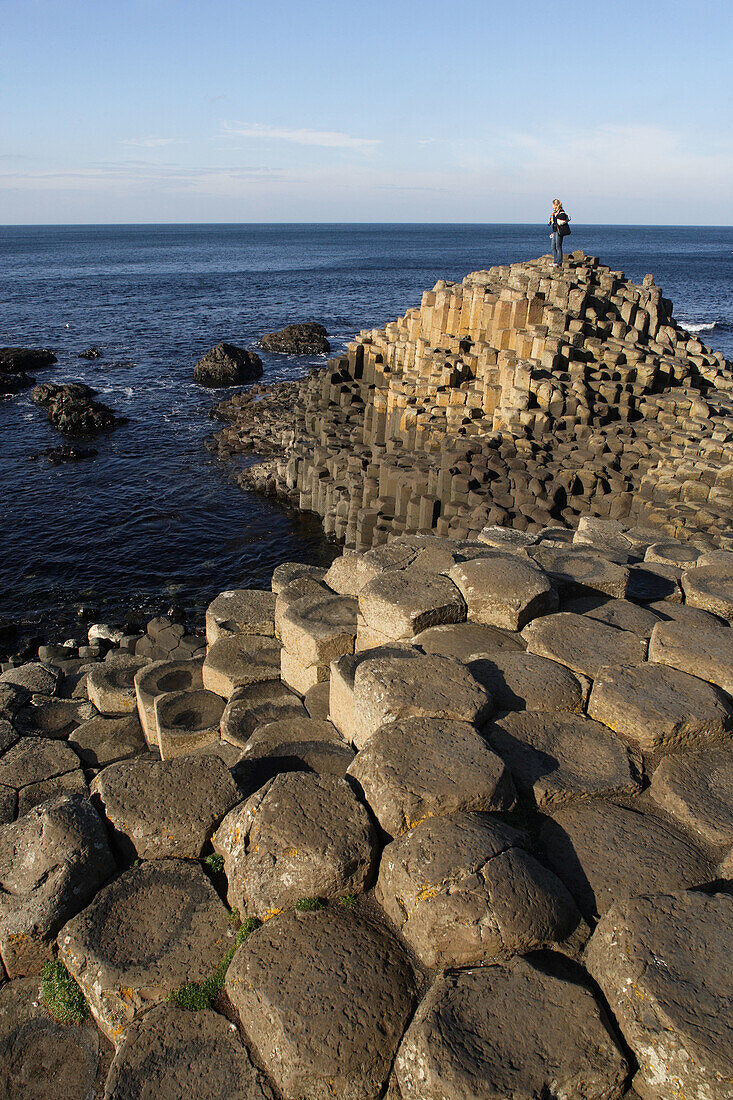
(151, 142)
(328, 139)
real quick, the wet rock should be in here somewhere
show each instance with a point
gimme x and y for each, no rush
(59, 455)
(91, 353)
(301, 835)
(20, 360)
(344, 973)
(306, 338)
(422, 767)
(388, 689)
(525, 681)
(52, 862)
(187, 721)
(663, 964)
(697, 790)
(461, 889)
(240, 611)
(41, 1058)
(72, 409)
(509, 1030)
(187, 1054)
(658, 708)
(257, 706)
(227, 365)
(160, 809)
(581, 644)
(150, 930)
(504, 591)
(648, 855)
(14, 383)
(556, 758)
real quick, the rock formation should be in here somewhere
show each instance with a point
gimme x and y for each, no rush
(72, 409)
(227, 365)
(15, 363)
(522, 396)
(406, 775)
(307, 338)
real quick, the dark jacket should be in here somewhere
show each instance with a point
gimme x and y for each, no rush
(558, 221)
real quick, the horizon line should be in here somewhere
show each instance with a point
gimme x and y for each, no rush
(577, 224)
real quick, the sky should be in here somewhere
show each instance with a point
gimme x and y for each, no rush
(365, 111)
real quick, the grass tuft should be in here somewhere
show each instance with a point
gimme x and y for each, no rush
(196, 996)
(215, 863)
(61, 995)
(309, 905)
(347, 901)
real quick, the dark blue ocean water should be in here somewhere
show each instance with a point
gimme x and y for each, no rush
(154, 518)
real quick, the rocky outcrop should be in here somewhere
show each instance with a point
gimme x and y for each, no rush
(307, 338)
(523, 396)
(72, 409)
(227, 365)
(15, 364)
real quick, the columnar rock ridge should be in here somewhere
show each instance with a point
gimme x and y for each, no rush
(523, 395)
(451, 820)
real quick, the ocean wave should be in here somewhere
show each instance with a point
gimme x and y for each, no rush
(699, 326)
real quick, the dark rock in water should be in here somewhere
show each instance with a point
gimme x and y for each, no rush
(308, 338)
(72, 409)
(14, 383)
(91, 353)
(20, 360)
(57, 455)
(227, 365)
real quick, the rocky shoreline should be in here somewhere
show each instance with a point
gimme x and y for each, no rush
(355, 841)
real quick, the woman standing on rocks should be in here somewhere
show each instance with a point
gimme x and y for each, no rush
(560, 228)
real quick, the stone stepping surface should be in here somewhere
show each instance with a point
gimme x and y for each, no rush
(509, 1030)
(558, 758)
(111, 686)
(526, 681)
(256, 705)
(186, 1054)
(101, 741)
(697, 790)
(663, 963)
(36, 769)
(582, 644)
(186, 721)
(504, 590)
(423, 767)
(52, 863)
(242, 659)
(462, 890)
(301, 835)
(159, 809)
(156, 679)
(240, 611)
(150, 930)
(606, 853)
(706, 652)
(401, 603)
(344, 973)
(465, 640)
(43, 1058)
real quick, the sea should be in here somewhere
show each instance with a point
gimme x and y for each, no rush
(154, 521)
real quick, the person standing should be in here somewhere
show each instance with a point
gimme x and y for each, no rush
(559, 228)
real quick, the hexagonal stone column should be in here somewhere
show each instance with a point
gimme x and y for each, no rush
(504, 590)
(40, 1057)
(39, 769)
(463, 641)
(649, 854)
(663, 963)
(111, 686)
(193, 1053)
(316, 630)
(582, 644)
(52, 862)
(424, 767)
(710, 587)
(658, 708)
(697, 789)
(577, 572)
(300, 835)
(390, 689)
(242, 659)
(186, 721)
(344, 974)
(557, 758)
(255, 705)
(526, 681)
(156, 679)
(150, 930)
(706, 652)
(158, 809)
(509, 1030)
(462, 889)
(102, 741)
(240, 611)
(399, 604)
(341, 682)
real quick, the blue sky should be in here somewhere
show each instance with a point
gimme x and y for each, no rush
(290, 110)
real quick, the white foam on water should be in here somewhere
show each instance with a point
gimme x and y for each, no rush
(698, 326)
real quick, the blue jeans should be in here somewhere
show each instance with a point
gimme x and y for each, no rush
(557, 249)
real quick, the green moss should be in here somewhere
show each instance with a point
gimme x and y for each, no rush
(347, 901)
(234, 917)
(215, 863)
(196, 996)
(61, 995)
(309, 905)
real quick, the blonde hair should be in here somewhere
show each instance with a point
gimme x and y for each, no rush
(557, 202)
